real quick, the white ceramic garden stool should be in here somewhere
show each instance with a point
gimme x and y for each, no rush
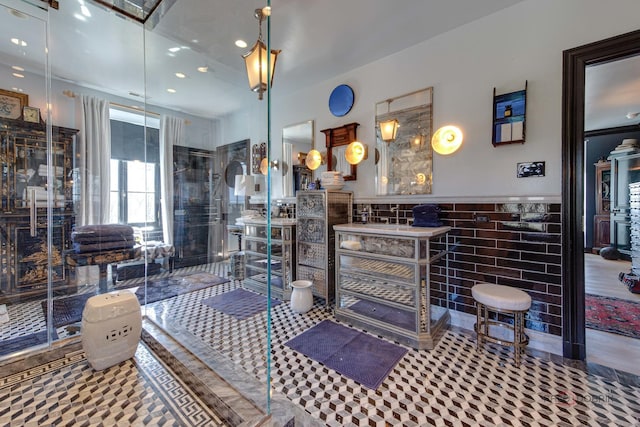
(501, 299)
(301, 296)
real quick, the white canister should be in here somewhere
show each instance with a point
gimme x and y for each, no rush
(301, 296)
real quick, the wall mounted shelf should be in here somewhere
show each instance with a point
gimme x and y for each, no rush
(509, 114)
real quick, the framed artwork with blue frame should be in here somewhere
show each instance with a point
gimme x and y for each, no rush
(509, 117)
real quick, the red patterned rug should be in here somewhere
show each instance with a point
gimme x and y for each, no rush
(613, 315)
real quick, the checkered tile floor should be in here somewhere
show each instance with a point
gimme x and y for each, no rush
(451, 385)
(67, 392)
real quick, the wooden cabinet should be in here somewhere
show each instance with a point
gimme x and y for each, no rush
(31, 173)
(283, 256)
(317, 211)
(383, 280)
(601, 219)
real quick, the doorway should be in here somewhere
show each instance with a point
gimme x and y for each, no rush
(574, 63)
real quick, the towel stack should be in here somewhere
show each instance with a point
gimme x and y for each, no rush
(103, 237)
(426, 216)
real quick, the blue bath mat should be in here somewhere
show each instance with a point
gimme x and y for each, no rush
(239, 303)
(365, 359)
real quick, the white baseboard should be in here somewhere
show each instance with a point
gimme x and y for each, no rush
(537, 340)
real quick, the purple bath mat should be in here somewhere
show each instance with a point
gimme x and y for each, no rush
(365, 359)
(239, 303)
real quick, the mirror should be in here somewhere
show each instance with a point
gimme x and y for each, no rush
(297, 141)
(404, 161)
(337, 140)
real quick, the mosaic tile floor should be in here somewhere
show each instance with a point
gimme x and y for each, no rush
(450, 385)
(67, 392)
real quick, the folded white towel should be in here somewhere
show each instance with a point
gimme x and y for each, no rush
(351, 245)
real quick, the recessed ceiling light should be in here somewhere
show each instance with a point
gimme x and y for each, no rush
(17, 68)
(18, 42)
(18, 75)
(79, 17)
(632, 115)
(85, 11)
(17, 89)
(170, 90)
(17, 14)
(174, 49)
(181, 75)
(241, 43)
(203, 69)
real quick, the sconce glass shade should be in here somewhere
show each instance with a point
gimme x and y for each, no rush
(313, 160)
(447, 140)
(389, 130)
(244, 186)
(264, 166)
(355, 152)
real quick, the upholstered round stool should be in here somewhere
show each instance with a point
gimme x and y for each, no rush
(505, 300)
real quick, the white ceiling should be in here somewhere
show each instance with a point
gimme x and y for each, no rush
(318, 39)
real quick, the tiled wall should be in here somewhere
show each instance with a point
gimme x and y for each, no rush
(514, 244)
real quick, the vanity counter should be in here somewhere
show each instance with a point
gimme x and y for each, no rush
(393, 229)
(393, 280)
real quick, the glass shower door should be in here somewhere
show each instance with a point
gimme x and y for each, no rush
(35, 159)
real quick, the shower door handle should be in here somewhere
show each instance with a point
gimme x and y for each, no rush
(33, 214)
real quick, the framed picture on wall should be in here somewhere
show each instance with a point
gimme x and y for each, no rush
(12, 103)
(529, 169)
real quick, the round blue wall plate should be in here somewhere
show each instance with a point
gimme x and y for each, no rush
(341, 100)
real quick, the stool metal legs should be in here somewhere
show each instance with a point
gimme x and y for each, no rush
(520, 339)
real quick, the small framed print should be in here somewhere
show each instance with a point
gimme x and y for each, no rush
(12, 103)
(31, 114)
(529, 169)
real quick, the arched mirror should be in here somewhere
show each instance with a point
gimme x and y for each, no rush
(297, 141)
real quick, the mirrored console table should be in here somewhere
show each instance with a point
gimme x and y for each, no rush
(283, 256)
(383, 281)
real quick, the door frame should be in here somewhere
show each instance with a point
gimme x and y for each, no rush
(573, 80)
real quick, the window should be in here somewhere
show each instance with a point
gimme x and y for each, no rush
(133, 192)
(135, 171)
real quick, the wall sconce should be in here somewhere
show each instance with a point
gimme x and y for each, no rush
(355, 152)
(256, 59)
(244, 186)
(302, 157)
(389, 128)
(264, 166)
(314, 159)
(418, 140)
(447, 140)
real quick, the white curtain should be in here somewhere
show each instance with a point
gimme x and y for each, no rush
(171, 133)
(95, 158)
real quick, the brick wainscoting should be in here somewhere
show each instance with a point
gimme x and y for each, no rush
(514, 244)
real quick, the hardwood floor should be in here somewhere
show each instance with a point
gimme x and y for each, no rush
(601, 277)
(615, 351)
